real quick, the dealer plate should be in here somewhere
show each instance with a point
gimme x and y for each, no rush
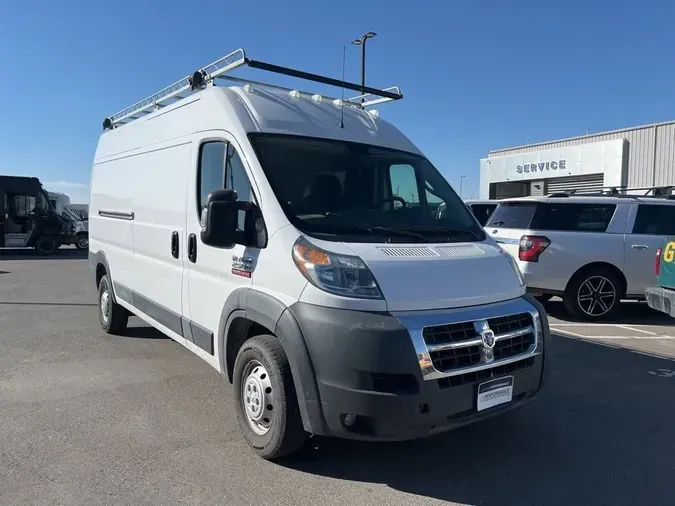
(495, 392)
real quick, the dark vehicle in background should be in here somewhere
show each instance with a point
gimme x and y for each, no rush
(481, 209)
(28, 220)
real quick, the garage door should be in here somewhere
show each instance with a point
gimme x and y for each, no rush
(580, 184)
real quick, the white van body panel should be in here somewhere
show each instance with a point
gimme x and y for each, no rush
(454, 275)
(148, 169)
(449, 319)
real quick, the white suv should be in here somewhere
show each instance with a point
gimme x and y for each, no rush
(592, 251)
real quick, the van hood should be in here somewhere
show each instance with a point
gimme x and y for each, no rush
(440, 276)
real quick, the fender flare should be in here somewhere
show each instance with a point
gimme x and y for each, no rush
(271, 313)
(101, 258)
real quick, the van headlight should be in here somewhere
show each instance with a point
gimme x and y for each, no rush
(344, 275)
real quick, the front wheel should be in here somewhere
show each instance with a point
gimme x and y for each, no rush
(82, 241)
(266, 403)
(112, 316)
(594, 295)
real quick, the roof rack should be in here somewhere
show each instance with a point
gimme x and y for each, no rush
(621, 191)
(205, 77)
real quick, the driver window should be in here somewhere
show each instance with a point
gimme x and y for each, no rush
(221, 167)
(404, 185)
(22, 205)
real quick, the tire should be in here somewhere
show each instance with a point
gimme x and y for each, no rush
(46, 245)
(544, 297)
(82, 241)
(112, 316)
(261, 370)
(583, 297)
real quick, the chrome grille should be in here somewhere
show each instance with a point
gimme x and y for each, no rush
(456, 346)
(450, 342)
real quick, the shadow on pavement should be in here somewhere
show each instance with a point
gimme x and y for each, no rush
(29, 254)
(631, 313)
(601, 432)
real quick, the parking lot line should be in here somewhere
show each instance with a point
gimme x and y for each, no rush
(585, 324)
(626, 327)
(582, 336)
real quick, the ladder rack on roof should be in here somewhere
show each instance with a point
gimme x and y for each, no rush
(206, 75)
(621, 191)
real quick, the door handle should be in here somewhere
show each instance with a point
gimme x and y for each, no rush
(192, 248)
(174, 245)
(639, 246)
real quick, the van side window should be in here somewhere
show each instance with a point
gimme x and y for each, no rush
(404, 184)
(236, 177)
(221, 167)
(211, 173)
(22, 205)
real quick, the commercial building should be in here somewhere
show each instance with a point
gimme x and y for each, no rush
(642, 156)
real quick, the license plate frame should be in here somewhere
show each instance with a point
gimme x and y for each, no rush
(495, 392)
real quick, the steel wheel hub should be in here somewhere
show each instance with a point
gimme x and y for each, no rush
(596, 296)
(257, 397)
(105, 305)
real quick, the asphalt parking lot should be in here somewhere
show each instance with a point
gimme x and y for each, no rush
(87, 418)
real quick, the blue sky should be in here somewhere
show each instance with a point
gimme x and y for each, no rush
(476, 75)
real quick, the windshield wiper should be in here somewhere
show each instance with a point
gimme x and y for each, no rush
(377, 228)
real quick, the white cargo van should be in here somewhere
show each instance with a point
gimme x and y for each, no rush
(292, 241)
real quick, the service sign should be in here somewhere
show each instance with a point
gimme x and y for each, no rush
(598, 157)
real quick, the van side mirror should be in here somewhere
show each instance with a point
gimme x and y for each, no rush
(220, 218)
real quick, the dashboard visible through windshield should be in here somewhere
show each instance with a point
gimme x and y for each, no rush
(347, 191)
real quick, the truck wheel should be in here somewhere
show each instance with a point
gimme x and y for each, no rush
(82, 241)
(112, 316)
(266, 403)
(46, 245)
(594, 295)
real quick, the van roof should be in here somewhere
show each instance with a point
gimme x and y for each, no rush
(194, 103)
(254, 109)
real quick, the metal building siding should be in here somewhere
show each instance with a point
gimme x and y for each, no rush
(641, 151)
(538, 188)
(664, 167)
(581, 184)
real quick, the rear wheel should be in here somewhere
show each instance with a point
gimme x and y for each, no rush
(82, 241)
(46, 245)
(594, 295)
(266, 403)
(112, 316)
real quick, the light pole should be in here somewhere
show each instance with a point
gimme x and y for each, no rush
(362, 42)
(461, 180)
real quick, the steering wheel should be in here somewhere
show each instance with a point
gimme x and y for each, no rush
(395, 198)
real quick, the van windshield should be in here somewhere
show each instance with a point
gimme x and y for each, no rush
(347, 191)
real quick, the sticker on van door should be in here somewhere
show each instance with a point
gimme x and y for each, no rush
(242, 266)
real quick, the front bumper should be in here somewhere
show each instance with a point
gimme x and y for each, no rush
(661, 299)
(369, 365)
